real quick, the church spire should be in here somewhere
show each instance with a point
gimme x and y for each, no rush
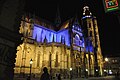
(57, 19)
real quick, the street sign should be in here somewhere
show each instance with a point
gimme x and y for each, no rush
(111, 5)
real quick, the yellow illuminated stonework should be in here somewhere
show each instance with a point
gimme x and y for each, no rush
(57, 56)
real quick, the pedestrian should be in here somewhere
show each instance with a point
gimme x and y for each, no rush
(117, 74)
(59, 77)
(28, 77)
(45, 75)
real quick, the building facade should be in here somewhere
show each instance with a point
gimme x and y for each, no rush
(70, 45)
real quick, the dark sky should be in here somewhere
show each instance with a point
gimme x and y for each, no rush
(109, 27)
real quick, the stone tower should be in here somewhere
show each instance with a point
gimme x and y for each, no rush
(91, 35)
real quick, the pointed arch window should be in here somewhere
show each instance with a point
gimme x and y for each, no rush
(50, 60)
(62, 39)
(90, 33)
(77, 39)
(89, 25)
(56, 62)
(67, 61)
(38, 60)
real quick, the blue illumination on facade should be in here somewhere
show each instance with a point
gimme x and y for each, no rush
(62, 36)
(89, 47)
(40, 32)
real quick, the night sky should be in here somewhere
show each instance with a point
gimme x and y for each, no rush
(108, 24)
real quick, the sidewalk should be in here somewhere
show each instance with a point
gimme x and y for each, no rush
(52, 79)
(77, 79)
(90, 78)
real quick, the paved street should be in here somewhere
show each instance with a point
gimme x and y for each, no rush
(91, 78)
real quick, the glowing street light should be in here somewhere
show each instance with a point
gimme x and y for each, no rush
(86, 69)
(70, 73)
(70, 69)
(107, 65)
(31, 62)
(106, 59)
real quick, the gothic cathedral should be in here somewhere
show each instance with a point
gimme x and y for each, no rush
(64, 47)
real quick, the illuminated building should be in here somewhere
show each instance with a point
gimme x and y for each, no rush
(112, 65)
(72, 46)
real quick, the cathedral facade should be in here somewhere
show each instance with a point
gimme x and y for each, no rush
(70, 47)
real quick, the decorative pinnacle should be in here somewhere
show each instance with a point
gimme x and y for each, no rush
(86, 11)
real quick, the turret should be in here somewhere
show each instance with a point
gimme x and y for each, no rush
(87, 23)
(88, 30)
(26, 27)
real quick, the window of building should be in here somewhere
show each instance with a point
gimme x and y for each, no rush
(67, 61)
(89, 25)
(38, 60)
(56, 63)
(90, 33)
(115, 60)
(77, 39)
(50, 59)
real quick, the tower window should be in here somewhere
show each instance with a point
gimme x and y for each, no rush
(89, 25)
(91, 33)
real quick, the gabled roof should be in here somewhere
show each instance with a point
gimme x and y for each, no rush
(50, 25)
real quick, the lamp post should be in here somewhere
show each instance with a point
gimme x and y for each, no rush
(70, 73)
(107, 65)
(31, 61)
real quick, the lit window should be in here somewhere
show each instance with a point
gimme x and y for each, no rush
(115, 60)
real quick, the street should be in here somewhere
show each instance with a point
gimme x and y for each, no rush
(90, 78)
(105, 78)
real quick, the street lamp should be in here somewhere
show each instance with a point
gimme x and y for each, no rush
(107, 65)
(70, 73)
(106, 59)
(31, 61)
